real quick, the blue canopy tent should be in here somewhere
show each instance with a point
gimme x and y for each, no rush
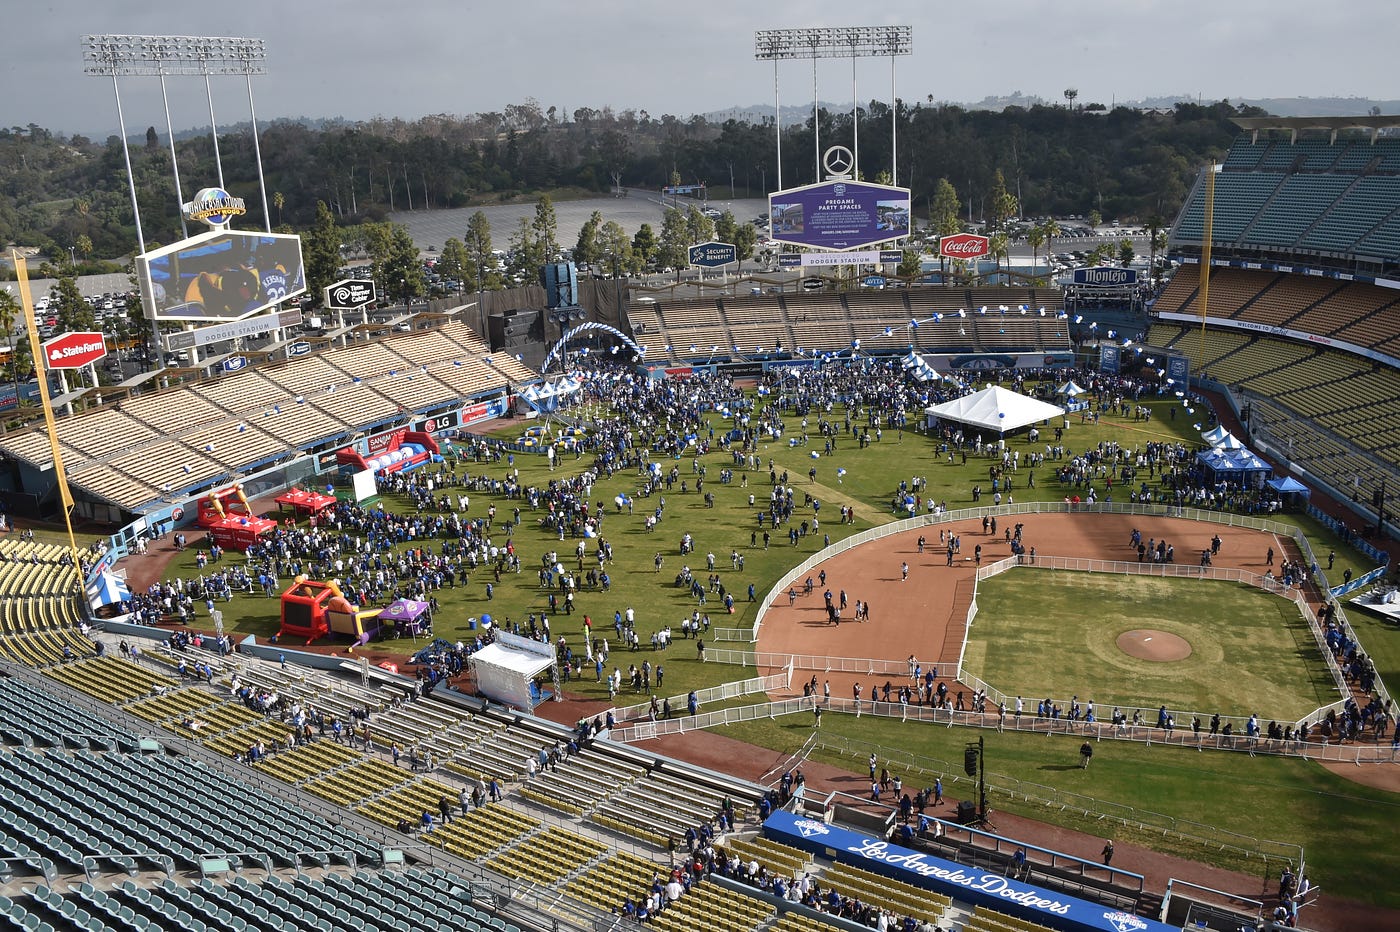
(1287, 485)
(1238, 466)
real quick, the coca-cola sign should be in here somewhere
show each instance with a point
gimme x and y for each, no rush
(964, 246)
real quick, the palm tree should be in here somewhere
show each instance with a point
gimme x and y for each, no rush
(1035, 238)
(9, 310)
(278, 199)
(1000, 248)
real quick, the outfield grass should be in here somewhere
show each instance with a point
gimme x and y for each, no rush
(1045, 633)
(1340, 824)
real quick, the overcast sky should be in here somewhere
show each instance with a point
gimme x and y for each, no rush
(365, 58)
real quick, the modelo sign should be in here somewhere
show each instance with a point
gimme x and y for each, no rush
(1103, 276)
(964, 246)
(74, 350)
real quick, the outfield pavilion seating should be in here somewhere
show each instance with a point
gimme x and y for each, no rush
(832, 322)
(193, 436)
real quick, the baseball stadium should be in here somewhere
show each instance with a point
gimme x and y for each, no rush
(998, 606)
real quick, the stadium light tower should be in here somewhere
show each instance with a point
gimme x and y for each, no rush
(851, 42)
(120, 56)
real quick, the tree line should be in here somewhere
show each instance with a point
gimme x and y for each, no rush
(68, 194)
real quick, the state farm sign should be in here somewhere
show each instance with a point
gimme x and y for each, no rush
(964, 246)
(74, 350)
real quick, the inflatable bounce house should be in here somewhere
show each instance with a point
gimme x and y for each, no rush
(229, 519)
(312, 610)
(406, 450)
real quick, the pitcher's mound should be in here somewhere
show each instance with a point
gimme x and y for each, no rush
(1158, 646)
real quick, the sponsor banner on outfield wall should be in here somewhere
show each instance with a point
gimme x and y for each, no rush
(485, 410)
(1110, 358)
(431, 425)
(991, 890)
(382, 443)
(1313, 338)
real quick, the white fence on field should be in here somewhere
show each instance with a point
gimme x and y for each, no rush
(815, 662)
(1358, 752)
(756, 684)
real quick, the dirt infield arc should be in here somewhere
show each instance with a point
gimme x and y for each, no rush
(926, 614)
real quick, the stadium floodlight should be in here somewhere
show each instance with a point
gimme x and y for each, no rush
(198, 56)
(819, 42)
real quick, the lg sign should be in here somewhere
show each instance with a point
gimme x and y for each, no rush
(964, 246)
(74, 350)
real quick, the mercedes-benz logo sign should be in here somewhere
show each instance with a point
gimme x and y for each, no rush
(838, 160)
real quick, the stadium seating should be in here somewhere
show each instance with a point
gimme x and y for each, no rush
(882, 321)
(31, 717)
(190, 437)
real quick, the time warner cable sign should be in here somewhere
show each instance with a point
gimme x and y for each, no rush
(968, 884)
(839, 214)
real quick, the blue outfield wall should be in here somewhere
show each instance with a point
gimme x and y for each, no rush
(966, 884)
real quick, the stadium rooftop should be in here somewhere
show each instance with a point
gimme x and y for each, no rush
(1333, 124)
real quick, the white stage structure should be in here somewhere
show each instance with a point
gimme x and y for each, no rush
(506, 668)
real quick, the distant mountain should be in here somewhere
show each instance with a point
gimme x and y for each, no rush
(1278, 106)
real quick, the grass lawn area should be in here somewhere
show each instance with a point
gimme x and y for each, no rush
(1206, 795)
(1045, 633)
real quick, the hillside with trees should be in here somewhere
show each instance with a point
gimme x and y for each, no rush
(70, 192)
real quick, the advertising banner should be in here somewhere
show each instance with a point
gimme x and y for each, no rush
(186, 339)
(381, 443)
(712, 255)
(74, 350)
(349, 294)
(964, 246)
(431, 425)
(1109, 358)
(1103, 276)
(839, 215)
(992, 890)
(221, 275)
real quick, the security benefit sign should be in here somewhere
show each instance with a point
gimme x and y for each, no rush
(969, 884)
(839, 214)
(74, 350)
(713, 255)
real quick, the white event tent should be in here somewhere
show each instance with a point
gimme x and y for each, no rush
(995, 408)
